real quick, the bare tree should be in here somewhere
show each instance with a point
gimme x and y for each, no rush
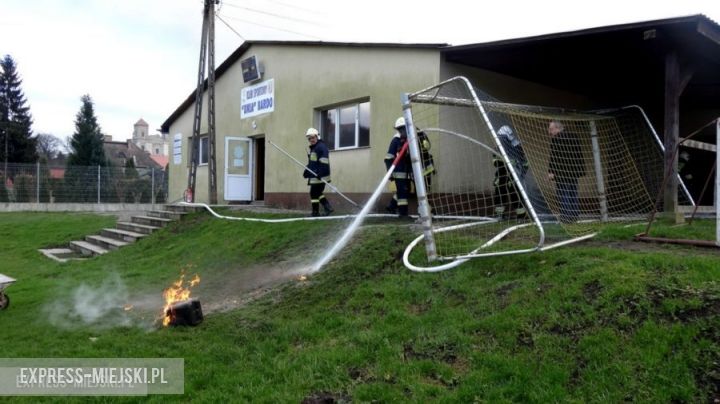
(48, 146)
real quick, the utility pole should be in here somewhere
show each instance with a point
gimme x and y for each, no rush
(207, 53)
(5, 127)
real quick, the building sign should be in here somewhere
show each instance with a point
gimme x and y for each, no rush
(258, 99)
(177, 149)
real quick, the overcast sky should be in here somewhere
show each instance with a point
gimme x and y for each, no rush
(138, 58)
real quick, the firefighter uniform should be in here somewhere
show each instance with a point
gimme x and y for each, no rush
(427, 158)
(319, 164)
(506, 196)
(402, 174)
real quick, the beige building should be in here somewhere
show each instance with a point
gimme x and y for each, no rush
(351, 93)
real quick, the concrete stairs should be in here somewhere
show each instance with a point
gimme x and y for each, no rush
(125, 233)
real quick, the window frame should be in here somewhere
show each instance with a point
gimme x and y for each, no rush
(200, 146)
(337, 108)
(203, 150)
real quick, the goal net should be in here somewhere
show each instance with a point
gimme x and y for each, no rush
(510, 179)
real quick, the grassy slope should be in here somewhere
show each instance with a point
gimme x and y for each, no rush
(589, 323)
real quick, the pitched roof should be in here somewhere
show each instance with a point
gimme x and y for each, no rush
(161, 160)
(119, 152)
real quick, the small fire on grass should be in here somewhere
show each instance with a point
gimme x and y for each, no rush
(179, 308)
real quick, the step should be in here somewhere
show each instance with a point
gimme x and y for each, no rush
(184, 208)
(122, 235)
(106, 242)
(136, 227)
(87, 249)
(167, 214)
(61, 254)
(150, 221)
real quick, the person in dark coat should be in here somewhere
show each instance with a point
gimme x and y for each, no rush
(566, 166)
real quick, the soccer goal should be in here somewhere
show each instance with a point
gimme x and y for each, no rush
(513, 179)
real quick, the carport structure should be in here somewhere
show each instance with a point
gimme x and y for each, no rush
(669, 67)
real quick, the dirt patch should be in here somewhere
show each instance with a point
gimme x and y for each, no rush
(503, 293)
(592, 290)
(708, 303)
(638, 246)
(325, 397)
(361, 375)
(420, 308)
(443, 352)
(525, 339)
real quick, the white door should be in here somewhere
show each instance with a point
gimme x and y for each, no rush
(238, 169)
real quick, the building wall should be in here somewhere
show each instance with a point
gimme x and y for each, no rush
(307, 79)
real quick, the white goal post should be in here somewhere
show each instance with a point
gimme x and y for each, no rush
(514, 179)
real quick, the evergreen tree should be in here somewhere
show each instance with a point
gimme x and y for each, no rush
(15, 118)
(87, 141)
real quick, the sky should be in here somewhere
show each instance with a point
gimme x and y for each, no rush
(139, 58)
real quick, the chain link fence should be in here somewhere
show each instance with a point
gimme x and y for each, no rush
(40, 183)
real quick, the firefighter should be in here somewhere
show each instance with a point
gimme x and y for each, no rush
(427, 158)
(402, 173)
(506, 197)
(317, 172)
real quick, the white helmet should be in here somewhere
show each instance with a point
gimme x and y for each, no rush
(399, 123)
(504, 131)
(312, 132)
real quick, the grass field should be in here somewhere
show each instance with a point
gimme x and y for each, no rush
(603, 321)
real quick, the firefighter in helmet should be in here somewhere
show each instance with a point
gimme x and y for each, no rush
(427, 158)
(506, 197)
(403, 170)
(317, 172)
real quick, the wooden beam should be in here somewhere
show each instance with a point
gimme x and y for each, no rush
(671, 129)
(687, 73)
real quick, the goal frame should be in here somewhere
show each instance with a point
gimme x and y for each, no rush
(425, 96)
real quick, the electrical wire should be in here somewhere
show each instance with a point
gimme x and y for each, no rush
(229, 26)
(271, 27)
(254, 10)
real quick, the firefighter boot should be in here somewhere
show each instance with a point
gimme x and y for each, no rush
(403, 212)
(315, 209)
(392, 207)
(327, 207)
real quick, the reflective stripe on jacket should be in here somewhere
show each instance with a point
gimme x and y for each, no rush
(319, 162)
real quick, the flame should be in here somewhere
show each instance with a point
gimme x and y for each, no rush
(177, 293)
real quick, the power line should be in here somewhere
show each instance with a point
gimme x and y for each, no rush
(271, 27)
(253, 10)
(293, 6)
(229, 26)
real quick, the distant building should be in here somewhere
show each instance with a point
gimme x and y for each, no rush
(120, 152)
(155, 145)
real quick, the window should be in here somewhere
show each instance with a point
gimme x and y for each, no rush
(346, 126)
(203, 146)
(203, 151)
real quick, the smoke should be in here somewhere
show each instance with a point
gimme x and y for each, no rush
(104, 306)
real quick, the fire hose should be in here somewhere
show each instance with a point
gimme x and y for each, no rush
(315, 174)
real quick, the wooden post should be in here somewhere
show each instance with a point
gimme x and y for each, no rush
(671, 129)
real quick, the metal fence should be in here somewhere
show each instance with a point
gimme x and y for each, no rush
(40, 183)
